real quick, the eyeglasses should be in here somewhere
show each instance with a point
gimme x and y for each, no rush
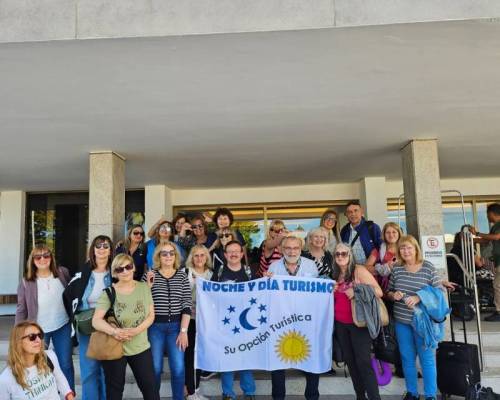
(291, 248)
(38, 257)
(138, 233)
(128, 267)
(103, 245)
(276, 230)
(32, 336)
(225, 235)
(333, 219)
(341, 253)
(165, 253)
(199, 226)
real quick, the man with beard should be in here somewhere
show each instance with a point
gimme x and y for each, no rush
(292, 264)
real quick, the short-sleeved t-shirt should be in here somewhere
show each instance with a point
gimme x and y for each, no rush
(496, 244)
(131, 310)
(41, 386)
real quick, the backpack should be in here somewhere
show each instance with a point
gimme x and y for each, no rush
(248, 272)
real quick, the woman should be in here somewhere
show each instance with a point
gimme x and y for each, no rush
(355, 342)
(179, 220)
(134, 246)
(172, 309)
(196, 232)
(81, 297)
(134, 313)
(163, 233)
(406, 279)
(270, 248)
(224, 236)
(329, 221)
(39, 298)
(32, 373)
(380, 262)
(315, 249)
(198, 265)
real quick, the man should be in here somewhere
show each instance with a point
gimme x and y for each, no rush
(362, 235)
(493, 214)
(293, 264)
(234, 271)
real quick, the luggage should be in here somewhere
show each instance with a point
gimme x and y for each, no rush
(457, 365)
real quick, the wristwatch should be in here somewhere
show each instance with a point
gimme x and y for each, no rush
(184, 330)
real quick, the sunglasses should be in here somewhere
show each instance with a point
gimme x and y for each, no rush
(166, 253)
(102, 245)
(276, 230)
(138, 233)
(32, 336)
(225, 235)
(199, 226)
(165, 228)
(341, 253)
(128, 267)
(38, 257)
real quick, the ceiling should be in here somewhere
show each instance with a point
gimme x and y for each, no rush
(251, 109)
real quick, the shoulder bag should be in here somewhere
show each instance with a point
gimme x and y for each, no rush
(101, 345)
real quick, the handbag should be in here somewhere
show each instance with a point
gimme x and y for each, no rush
(101, 345)
(382, 310)
(83, 321)
(385, 346)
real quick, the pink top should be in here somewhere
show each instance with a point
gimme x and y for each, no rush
(343, 311)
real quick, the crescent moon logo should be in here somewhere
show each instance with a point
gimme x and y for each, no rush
(244, 321)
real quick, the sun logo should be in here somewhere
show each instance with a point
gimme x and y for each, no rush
(292, 347)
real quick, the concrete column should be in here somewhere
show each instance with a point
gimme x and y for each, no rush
(421, 183)
(373, 198)
(158, 202)
(106, 195)
(12, 239)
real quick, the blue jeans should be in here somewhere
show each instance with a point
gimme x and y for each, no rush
(411, 345)
(91, 373)
(63, 347)
(162, 335)
(247, 383)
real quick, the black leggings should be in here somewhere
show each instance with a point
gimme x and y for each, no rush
(192, 377)
(142, 367)
(356, 345)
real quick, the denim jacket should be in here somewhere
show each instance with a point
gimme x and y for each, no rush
(88, 290)
(429, 315)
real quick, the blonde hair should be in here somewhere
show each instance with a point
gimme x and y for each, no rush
(276, 222)
(157, 259)
(394, 226)
(409, 239)
(16, 353)
(31, 268)
(119, 260)
(189, 261)
(316, 231)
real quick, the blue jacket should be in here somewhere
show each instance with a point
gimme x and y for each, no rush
(429, 315)
(367, 241)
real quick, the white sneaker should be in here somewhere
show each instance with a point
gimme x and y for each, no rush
(196, 396)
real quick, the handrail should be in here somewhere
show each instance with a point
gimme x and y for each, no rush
(470, 277)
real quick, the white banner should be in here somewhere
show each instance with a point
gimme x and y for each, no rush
(268, 324)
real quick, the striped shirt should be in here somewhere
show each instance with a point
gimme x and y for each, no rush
(171, 297)
(409, 283)
(265, 262)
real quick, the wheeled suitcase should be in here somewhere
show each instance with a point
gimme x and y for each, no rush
(457, 365)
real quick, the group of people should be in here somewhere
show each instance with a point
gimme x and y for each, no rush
(155, 304)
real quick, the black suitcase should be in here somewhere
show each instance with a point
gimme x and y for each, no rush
(457, 365)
